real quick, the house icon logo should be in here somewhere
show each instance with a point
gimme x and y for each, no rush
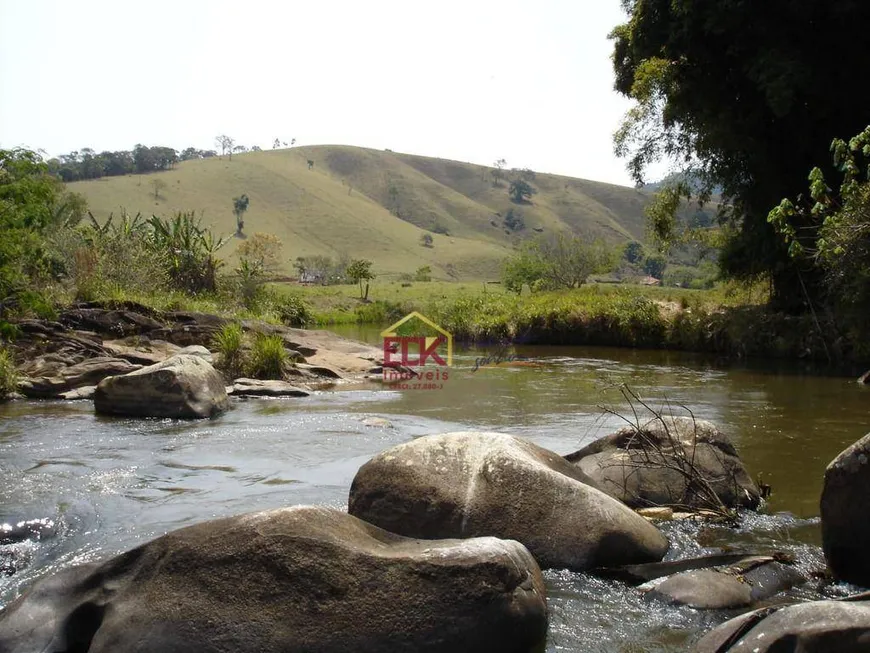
(417, 335)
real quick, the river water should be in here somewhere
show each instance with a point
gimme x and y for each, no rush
(111, 484)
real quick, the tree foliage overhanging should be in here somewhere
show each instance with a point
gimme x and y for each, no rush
(749, 95)
(829, 229)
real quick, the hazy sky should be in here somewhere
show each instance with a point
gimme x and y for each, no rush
(473, 80)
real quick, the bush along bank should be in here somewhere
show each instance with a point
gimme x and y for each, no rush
(625, 318)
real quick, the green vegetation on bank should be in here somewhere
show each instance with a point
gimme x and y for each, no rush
(57, 253)
(731, 319)
(56, 256)
(8, 375)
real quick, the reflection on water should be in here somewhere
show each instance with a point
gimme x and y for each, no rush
(113, 483)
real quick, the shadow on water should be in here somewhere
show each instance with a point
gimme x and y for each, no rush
(111, 483)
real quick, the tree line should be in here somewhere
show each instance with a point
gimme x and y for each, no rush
(86, 163)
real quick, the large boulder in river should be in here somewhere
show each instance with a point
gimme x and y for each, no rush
(672, 461)
(814, 627)
(473, 484)
(294, 580)
(845, 507)
(184, 386)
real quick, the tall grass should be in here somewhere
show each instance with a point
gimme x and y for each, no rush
(8, 375)
(228, 344)
(268, 357)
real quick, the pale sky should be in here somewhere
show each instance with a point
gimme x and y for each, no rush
(473, 81)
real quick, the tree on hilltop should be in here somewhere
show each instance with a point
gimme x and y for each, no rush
(498, 172)
(226, 144)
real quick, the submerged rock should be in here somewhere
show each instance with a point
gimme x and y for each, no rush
(738, 584)
(183, 386)
(844, 513)
(377, 422)
(32, 529)
(473, 484)
(294, 580)
(660, 464)
(814, 627)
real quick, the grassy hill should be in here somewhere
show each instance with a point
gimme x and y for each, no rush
(375, 205)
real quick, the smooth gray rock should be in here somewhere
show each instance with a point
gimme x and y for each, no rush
(653, 465)
(86, 392)
(472, 484)
(65, 379)
(141, 350)
(260, 388)
(319, 370)
(736, 585)
(845, 516)
(295, 580)
(182, 386)
(814, 627)
(198, 350)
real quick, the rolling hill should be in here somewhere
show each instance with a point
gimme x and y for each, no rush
(376, 205)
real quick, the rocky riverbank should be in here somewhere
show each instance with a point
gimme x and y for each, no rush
(67, 358)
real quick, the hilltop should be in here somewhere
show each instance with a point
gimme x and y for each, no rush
(375, 204)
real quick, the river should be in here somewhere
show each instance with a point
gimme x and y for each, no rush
(111, 484)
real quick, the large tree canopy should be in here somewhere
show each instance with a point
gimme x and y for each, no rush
(748, 94)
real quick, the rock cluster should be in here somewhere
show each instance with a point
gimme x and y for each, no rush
(669, 461)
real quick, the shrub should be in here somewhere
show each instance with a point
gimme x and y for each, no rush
(514, 221)
(8, 375)
(381, 312)
(268, 358)
(32, 302)
(228, 343)
(251, 287)
(292, 310)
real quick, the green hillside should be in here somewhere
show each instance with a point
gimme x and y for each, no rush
(349, 200)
